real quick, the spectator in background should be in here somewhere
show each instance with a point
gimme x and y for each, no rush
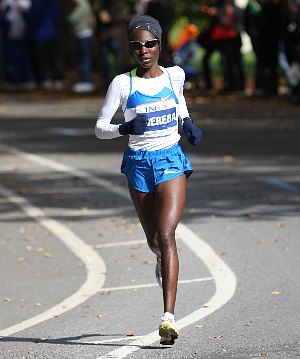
(207, 42)
(262, 18)
(44, 27)
(227, 32)
(163, 11)
(112, 20)
(289, 47)
(81, 20)
(138, 7)
(14, 42)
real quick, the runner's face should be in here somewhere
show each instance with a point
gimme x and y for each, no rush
(145, 57)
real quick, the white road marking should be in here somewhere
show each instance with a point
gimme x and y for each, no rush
(60, 167)
(118, 244)
(106, 341)
(67, 213)
(149, 285)
(93, 262)
(225, 279)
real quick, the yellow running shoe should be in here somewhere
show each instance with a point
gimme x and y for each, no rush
(167, 330)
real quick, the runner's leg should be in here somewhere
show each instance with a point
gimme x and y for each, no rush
(159, 214)
(145, 207)
(170, 199)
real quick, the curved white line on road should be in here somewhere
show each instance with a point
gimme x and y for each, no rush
(225, 279)
(225, 287)
(93, 262)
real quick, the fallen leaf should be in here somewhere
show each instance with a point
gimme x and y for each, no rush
(215, 336)
(28, 238)
(200, 326)
(134, 246)
(263, 242)
(247, 324)
(148, 262)
(263, 354)
(21, 230)
(228, 158)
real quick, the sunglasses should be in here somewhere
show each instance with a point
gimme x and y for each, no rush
(149, 44)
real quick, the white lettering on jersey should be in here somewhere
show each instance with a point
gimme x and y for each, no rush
(156, 106)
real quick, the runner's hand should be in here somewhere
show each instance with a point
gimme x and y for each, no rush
(192, 132)
(137, 126)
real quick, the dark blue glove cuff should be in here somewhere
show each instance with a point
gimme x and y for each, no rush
(192, 132)
(137, 126)
(124, 128)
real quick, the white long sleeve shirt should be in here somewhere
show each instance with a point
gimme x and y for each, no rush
(117, 96)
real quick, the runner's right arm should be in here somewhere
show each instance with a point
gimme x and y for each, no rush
(104, 129)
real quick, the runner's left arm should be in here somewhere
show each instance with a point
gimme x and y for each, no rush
(192, 132)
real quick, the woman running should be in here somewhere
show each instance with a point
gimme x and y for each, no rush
(152, 100)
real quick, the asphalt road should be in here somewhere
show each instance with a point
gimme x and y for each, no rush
(77, 279)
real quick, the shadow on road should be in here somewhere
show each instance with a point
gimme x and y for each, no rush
(246, 144)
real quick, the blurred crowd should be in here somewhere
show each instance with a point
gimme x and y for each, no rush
(32, 47)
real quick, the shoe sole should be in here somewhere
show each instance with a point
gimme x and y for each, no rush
(168, 334)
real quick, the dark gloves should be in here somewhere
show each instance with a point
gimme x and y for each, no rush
(137, 126)
(192, 132)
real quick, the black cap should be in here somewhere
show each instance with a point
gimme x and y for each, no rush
(145, 22)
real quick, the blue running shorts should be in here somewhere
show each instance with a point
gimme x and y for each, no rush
(146, 169)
